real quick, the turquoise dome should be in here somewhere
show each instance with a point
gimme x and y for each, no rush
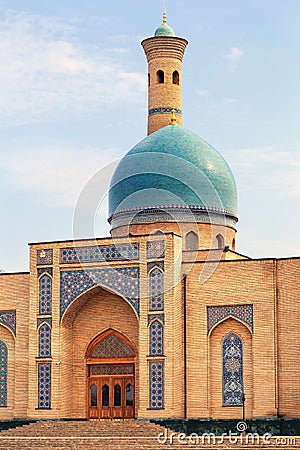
(173, 168)
(164, 30)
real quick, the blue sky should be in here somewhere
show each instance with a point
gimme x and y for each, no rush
(73, 98)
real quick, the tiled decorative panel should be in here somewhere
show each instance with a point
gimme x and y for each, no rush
(111, 369)
(45, 295)
(3, 374)
(45, 341)
(216, 314)
(44, 257)
(41, 320)
(152, 264)
(112, 347)
(124, 281)
(44, 385)
(156, 290)
(156, 338)
(8, 318)
(233, 387)
(164, 110)
(42, 270)
(156, 385)
(155, 249)
(159, 316)
(99, 253)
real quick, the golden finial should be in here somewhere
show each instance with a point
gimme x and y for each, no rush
(173, 117)
(165, 16)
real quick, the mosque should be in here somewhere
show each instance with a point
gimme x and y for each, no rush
(163, 318)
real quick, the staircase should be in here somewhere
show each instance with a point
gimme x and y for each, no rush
(106, 435)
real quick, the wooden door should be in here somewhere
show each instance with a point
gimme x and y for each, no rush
(111, 397)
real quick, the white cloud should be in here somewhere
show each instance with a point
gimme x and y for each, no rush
(45, 70)
(54, 175)
(202, 92)
(269, 168)
(234, 54)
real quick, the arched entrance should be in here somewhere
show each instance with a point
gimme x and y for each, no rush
(111, 366)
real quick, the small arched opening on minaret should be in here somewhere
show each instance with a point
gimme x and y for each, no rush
(175, 77)
(160, 76)
(220, 241)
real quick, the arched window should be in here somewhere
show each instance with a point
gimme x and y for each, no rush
(156, 290)
(175, 77)
(233, 385)
(45, 341)
(93, 397)
(160, 76)
(191, 241)
(117, 395)
(105, 395)
(3, 374)
(156, 340)
(220, 241)
(45, 294)
(129, 394)
(233, 244)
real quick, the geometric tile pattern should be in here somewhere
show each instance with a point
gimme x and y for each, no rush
(156, 290)
(112, 347)
(45, 295)
(99, 253)
(156, 341)
(233, 386)
(3, 374)
(155, 249)
(124, 280)
(160, 317)
(111, 369)
(44, 257)
(47, 270)
(41, 320)
(8, 318)
(45, 341)
(217, 313)
(44, 385)
(164, 110)
(156, 385)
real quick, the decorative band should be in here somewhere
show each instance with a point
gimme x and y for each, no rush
(164, 110)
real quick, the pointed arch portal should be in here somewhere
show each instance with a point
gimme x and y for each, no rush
(110, 359)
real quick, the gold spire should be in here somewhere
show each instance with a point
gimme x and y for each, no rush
(165, 17)
(173, 117)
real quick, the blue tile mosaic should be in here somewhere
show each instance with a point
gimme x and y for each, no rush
(164, 110)
(156, 338)
(44, 385)
(47, 270)
(45, 341)
(156, 290)
(3, 374)
(44, 257)
(216, 314)
(160, 317)
(156, 384)
(155, 249)
(8, 318)
(124, 280)
(233, 387)
(99, 253)
(45, 294)
(47, 320)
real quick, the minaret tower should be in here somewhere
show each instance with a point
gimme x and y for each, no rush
(164, 53)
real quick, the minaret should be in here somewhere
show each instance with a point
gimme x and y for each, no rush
(164, 53)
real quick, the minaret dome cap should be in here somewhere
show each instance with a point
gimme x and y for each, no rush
(164, 29)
